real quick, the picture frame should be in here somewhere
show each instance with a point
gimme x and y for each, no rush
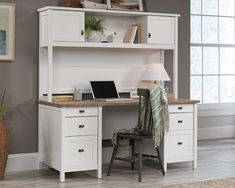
(128, 5)
(7, 31)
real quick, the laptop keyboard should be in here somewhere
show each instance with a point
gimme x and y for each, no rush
(118, 99)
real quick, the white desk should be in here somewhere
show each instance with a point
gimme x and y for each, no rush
(70, 134)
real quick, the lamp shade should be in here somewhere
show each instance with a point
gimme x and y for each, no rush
(155, 72)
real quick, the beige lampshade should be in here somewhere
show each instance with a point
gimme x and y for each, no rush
(155, 72)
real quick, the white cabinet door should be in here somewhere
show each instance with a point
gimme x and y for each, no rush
(68, 26)
(81, 151)
(161, 30)
(179, 144)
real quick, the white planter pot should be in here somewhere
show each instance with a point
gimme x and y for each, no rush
(95, 36)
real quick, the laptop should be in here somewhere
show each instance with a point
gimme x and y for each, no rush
(106, 91)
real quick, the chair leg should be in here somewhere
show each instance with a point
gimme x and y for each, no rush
(132, 154)
(140, 160)
(112, 159)
(160, 161)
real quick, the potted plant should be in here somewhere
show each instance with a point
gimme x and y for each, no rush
(4, 133)
(94, 29)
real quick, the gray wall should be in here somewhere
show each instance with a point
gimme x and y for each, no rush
(20, 78)
(181, 7)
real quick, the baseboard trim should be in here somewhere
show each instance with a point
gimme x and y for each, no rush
(22, 162)
(29, 161)
(205, 133)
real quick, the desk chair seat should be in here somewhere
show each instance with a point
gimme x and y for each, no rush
(135, 139)
(134, 136)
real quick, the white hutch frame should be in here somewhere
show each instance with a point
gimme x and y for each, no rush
(49, 38)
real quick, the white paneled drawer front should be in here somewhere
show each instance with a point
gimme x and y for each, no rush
(180, 143)
(161, 30)
(68, 26)
(74, 112)
(180, 108)
(81, 150)
(81, 126)
(181, 121)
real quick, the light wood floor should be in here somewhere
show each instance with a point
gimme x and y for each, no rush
(216, 159)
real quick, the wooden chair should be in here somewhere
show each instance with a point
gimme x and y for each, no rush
(136, 139)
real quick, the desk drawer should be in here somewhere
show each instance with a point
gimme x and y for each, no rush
(181, 121)
(74, 112)
(180, 108)
(179, 143)
(81, 150)
(81, 126)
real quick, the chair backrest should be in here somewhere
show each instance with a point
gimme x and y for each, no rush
(144, 124)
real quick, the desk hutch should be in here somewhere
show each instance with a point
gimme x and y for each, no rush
(70, 134)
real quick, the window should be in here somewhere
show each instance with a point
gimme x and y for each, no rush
(212, 58)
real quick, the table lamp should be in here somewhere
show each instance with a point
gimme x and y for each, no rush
(156, 74)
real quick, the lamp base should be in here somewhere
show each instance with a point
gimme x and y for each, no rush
(150, 84)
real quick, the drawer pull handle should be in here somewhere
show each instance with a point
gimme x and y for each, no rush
(81, 150)
(180, 121)
(81, 111)
(179, 143)
(180, 108)
(81, 126)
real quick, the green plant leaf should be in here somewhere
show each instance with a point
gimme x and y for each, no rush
(6, 106)
(92, 23)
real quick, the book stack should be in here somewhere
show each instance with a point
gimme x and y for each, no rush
(130, 34)
(61, 98)
(134, 34)
(93, 5)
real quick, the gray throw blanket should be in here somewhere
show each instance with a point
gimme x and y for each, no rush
(157, 120)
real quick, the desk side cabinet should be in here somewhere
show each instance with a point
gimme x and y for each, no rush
(69, 139)
(180, 143)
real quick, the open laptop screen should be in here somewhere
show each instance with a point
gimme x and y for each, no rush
(104, 89)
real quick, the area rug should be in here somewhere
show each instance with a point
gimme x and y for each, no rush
(220, 183)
